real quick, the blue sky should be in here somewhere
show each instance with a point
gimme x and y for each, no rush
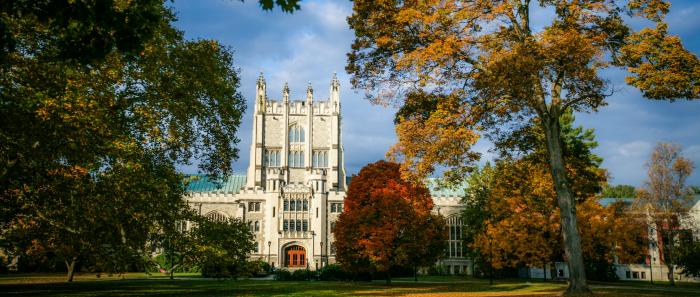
(311, 44)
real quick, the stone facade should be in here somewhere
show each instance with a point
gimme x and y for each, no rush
(295, 184)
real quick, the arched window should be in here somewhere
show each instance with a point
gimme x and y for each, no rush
(257, 226)
(306, 205)
(301, 159)
(325, 159)
(332, 248)
(314, 163)
(293, 205)
(215, 216)
(298, 225)
(286, 205)
(296, 134)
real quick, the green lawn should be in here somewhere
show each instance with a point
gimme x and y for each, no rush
(135, 284)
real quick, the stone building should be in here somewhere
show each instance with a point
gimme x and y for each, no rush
(294, 188)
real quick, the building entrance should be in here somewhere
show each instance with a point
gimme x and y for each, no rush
(295, 256)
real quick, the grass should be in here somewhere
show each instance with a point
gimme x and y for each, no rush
(135, 284)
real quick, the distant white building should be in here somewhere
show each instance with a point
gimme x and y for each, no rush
(293, 191)
(654, 267)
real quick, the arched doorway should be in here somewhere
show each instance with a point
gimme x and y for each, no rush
(295, 256)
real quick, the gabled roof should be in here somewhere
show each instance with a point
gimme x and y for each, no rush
(199, 183)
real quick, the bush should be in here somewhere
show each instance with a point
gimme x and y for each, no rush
(303, 275)
(437, 269)
(333, 272)
(283, 275)
(257, 268)
(214, 270)
(163, 261)
(601, 271)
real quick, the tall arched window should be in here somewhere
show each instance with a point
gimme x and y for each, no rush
(455, 244)
(257, 226)
(296, 134)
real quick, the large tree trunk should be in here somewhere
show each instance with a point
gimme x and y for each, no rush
(70, 266)
(567, 206)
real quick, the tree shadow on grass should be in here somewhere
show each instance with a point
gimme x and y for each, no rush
(198, 288)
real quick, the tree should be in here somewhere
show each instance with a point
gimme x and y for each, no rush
(477, 214)
(666, 198)
(487, 71)
(522, 226)
(220, 248)
(80, 142)
(86, 31)
(105, 221)
(620, 191)
(387, 223)
(695, 189)
(689, 256)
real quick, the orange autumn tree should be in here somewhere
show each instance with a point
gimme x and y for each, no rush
(524, 229)
(486, 58)
(387, 223)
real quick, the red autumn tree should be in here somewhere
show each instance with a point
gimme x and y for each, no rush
(387, 223)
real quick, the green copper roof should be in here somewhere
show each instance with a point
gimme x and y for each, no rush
(440, 191)
(199, 183)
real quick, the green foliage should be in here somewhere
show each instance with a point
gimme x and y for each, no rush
(619, 191)
(688, 258)
(288, 6)
(87, 169)
(303, 275)
(333, 272)
(221, 247)
(283, 275)
(163, 260)
(84, 31)
(438, 269)
(476, 209)
(257, 268)
(694, 189)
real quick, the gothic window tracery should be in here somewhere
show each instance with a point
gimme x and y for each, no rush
(455, 244)
(216, 216)
(296, 133)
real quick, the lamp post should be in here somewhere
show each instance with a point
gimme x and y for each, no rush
(651, 272)
(269, 244)
(321, 254)
(313, 248)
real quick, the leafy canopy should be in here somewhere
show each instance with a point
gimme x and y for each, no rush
(387, 222)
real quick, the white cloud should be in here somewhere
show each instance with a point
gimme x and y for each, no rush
(330, 14)
(634, 149)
